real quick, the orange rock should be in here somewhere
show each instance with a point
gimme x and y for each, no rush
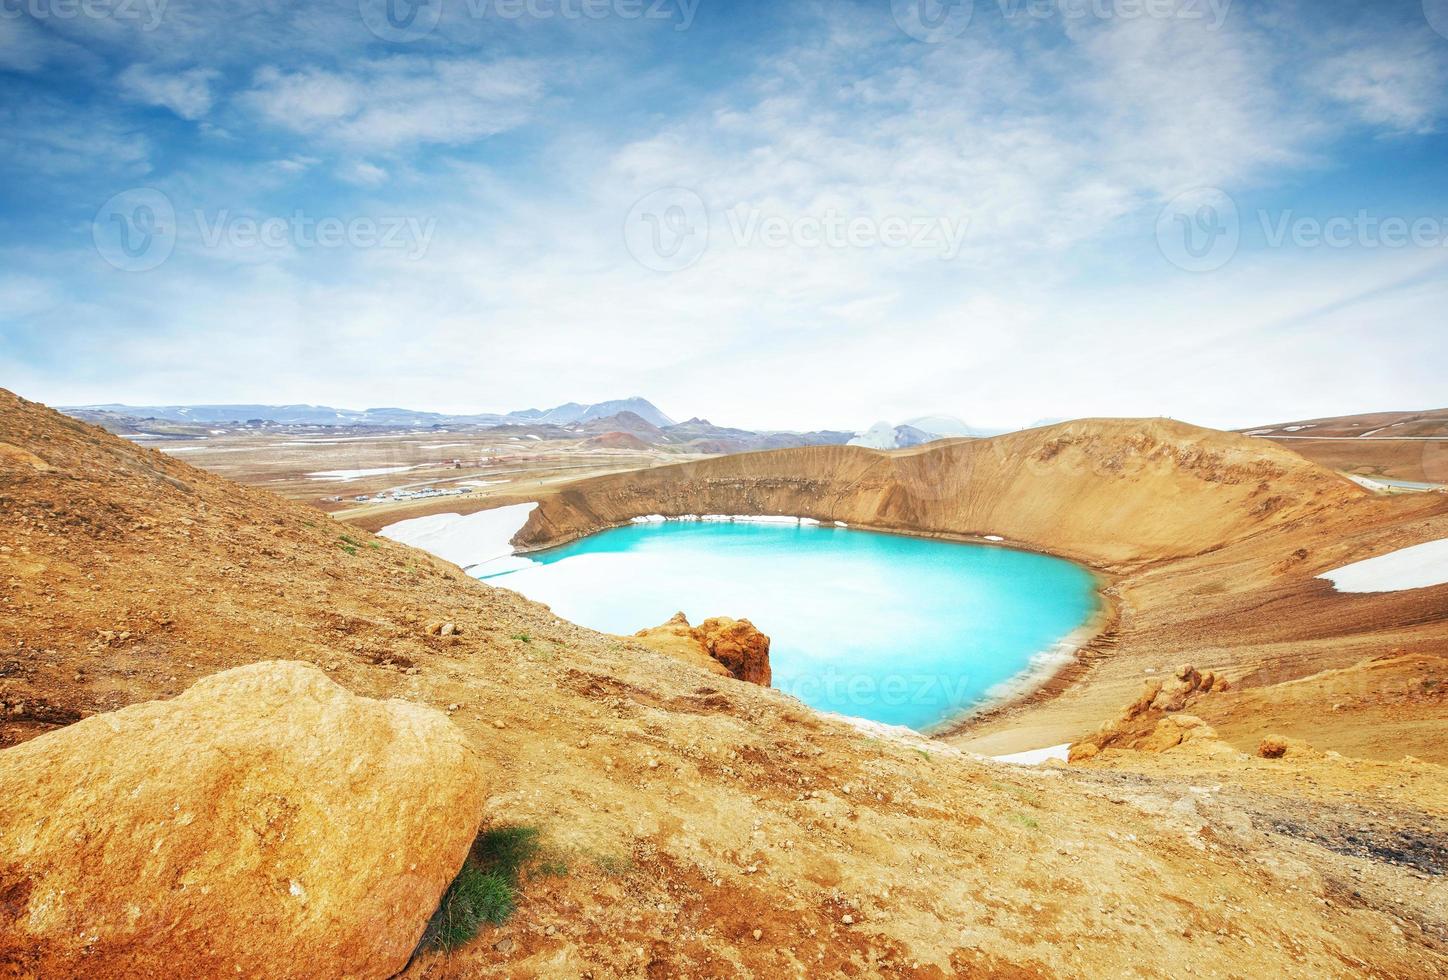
(264, 823)
(1272, 747)
(739, 646)
(728, 647)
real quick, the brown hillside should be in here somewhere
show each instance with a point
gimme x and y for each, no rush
(715, 828)
(1105, 491)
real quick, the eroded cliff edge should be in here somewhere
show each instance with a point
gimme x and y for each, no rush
(1109, 492)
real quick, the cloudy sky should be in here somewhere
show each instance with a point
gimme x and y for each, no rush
(774, 214)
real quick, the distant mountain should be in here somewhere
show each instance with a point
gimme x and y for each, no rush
(629, 422)
(702, 436)
(384, 417)
(883, 435)
(948, 426)
(574, 412)
(282, 415)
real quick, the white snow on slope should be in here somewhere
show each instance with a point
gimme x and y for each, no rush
(1417, 567)
(469, 541)
(346, 476)
(1037, 756)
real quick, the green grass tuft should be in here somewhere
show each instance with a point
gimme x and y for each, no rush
(485, 892)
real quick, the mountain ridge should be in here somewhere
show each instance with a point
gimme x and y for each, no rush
(305, 414)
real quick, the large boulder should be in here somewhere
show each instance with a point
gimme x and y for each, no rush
(266, 823)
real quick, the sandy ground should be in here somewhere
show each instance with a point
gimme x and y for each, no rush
(489, 464)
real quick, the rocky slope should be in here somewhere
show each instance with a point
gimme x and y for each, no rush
(716, 828)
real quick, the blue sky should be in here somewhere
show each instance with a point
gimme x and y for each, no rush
(770, 214)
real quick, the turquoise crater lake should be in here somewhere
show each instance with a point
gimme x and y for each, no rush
(896, 629)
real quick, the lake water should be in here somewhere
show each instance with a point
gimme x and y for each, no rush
(902, 630)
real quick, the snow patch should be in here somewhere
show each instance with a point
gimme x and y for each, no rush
(731, 519)
(347, 476)
(484, 538)
(1417, 567)
(1037, 756)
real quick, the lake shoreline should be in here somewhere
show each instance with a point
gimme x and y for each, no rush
(1053, 670)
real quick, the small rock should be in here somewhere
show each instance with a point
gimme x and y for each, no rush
(504, 945)
(758, 934)
(848, 920)
(1272, 747)
(452, 707)
(499, 723)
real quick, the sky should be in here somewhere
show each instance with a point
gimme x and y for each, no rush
(769, 214)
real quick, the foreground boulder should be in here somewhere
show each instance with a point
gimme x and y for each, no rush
(266, 823)
(728, 647)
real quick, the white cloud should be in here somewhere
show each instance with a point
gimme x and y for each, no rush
(45, 137)
(362, 173)
(186, 93)
(1400, 84)
(1058, 142)
(399, 102)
